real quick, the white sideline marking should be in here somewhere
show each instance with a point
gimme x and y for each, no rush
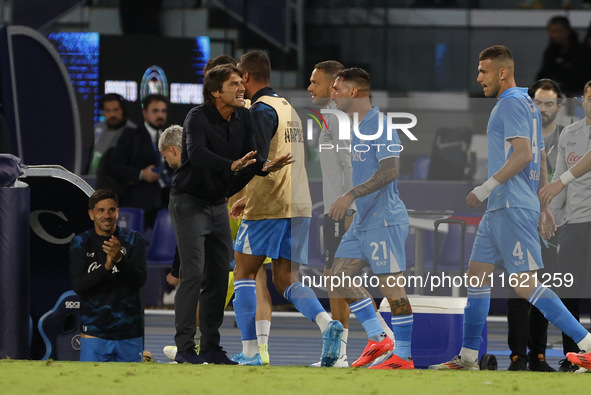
(295, 314)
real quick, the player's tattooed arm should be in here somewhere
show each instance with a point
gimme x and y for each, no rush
(389, 171)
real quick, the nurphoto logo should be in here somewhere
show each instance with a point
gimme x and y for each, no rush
(344, 129)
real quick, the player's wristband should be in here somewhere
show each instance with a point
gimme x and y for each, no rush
(567, 177)
(485, 189)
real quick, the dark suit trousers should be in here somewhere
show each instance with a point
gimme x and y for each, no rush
(205, 249)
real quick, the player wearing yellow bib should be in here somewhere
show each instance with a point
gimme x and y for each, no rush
(277, 210)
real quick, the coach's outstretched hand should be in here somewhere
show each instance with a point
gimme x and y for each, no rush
(278, 163)
(246, 160)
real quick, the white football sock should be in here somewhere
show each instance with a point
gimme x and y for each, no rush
(469, 355)
(263, 331)
(344, 339)
(585, 344)
(250, 348)
(322, 320)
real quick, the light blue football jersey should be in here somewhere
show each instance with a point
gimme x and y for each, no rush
(383, 207)
(515, 115)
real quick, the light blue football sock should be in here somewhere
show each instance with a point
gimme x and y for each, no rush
(366, 314)
(245, 307)
(554, 310)
(304, 299)
(402, 328)
(475, 314)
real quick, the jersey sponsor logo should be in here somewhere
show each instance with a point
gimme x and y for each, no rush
(72, 304)
(90, 254)
(93, 266)
(534, 175)
(358, 156)
(573, 158)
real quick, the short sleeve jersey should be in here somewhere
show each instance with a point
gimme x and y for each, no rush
(383, 207)
(515, 116)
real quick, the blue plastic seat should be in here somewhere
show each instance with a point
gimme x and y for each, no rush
(131, 218)
(159, 256)
(161, 249)
(60, 329)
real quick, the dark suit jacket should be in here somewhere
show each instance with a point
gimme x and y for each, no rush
(134, 152)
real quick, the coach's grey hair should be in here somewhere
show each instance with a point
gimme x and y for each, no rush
(171, 137)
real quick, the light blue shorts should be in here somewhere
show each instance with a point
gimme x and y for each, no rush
(285, 237)
(382, 248)
(103, 350)
(509, 238)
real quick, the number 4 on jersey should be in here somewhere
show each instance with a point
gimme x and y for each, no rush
(517, 252)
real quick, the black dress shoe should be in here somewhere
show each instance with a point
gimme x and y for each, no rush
(518, 363)
(217, 356)
(537, 363)
(189, 356)
(566, 366)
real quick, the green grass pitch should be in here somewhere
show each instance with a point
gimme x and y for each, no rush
(53, 377)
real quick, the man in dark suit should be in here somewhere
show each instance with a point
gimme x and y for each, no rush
(136, 160)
